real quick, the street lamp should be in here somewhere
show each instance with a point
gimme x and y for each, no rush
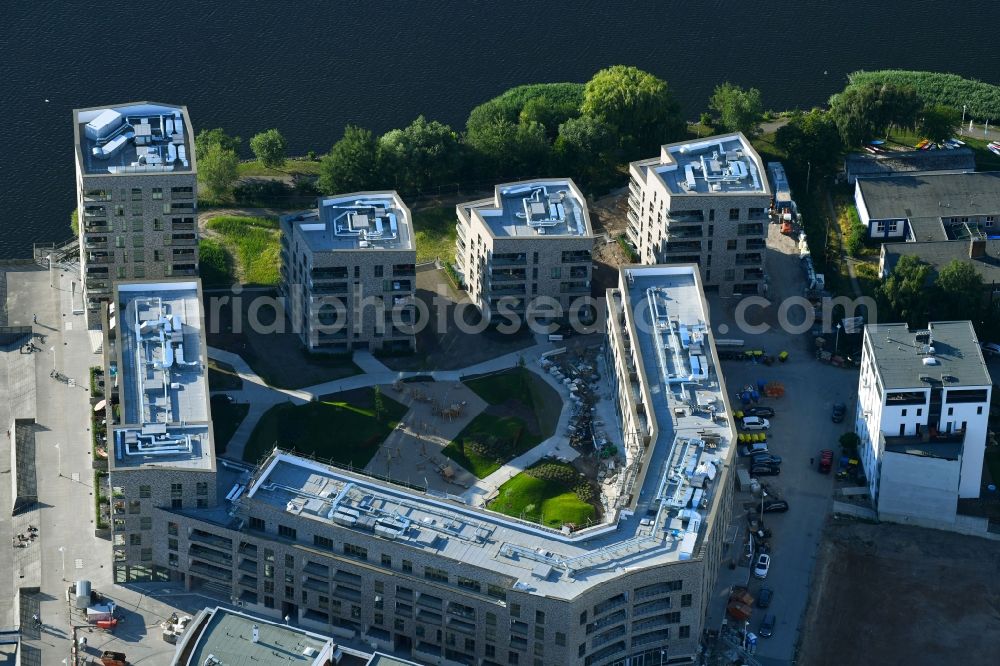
(62, 551)
(59, 458)
(836, 341)
(964, 107)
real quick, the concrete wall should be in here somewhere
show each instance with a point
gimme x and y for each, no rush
(919, 486)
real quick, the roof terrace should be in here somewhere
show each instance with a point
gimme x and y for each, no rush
(163, 376)
(674, 497)
(358, 221)
(143, 137)
(725, 164)
(534, 209)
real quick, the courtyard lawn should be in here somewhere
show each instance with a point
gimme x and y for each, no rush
(523, 386)
(340, 427)
(255, 242)
(292, 166)
(510, 434)
(226, 418)
(434, 231)
(550, 503)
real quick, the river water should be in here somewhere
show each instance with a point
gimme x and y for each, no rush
(310, 66)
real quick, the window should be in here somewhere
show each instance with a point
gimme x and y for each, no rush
(539, 633)
(157, 256)
(555, 272)
(512, 658)
(287, 532)
(171, 544)
(535, 258)
(951, 411)
(468, 583)
(515, 610)
(289, 591)
(289, 561)
(173, 560)
(201, 488)
(440, 575)
(560, 639)
(256, 524)
(268, 602)
(144, 491)
(685, 600)
(357, 271)
(491, 651)
(379, 271)
(496, 591)
(146, 554)
(734, 213)
(134, 539)
(136, 194)
(398, 625)
(539, 617)
(920, 412)
(386, 560)
(177, 503)
(979, 410)
(379, 618)
(583, 617)
(145, 523)
(904, 412)
(581, 650)
(140, 272)
(172, 529)
(684, 632)
(407, 566)
(134, 506)
(322, 542)
(157, 193)
(176, 489)
(731, 244)
(355, 551)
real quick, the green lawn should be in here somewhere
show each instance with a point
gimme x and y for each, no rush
(226, 418)
(216, 264)
(340, 427)
(541, 398)
(550, 503)
(223, 377)
(434, 229)
(291, 167)
(510, 432)
(255, 242)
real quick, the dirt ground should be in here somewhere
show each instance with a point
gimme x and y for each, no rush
(895, 594)
(607, 216)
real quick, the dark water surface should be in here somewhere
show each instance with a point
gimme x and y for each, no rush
(310, 66)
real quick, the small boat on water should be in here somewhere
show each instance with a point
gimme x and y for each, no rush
(994, 149)
(923, 144)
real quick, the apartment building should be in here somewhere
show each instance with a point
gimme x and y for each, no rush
(922, 416)
(705, 202)
(160, 444)
(434, 579)
(532, 239)
(348, 273)
(137, 191)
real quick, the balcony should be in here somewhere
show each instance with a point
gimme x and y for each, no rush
(248, 581)
(182, 226)
(398, 286)
(209, 555)
(685, 217)
(96, 227)
(753, 274)
(674, 247)
(99, 258)
(183, 239)
(756, 244)
(927, 444)
(183, 270)
(314, 584)
(348, 593)
(208, 571)
(574, 288)
(510, 259)
(96, 243)
(576, 257)
(753, 259)
(507, 276)
(98, 286)
(461, 232)
(97, 195)
(198, 536)
(499, 289)
(95, 212)
(249, 566)
(633, 219)
(634, 188)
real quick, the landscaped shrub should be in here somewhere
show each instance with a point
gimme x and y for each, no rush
(981, 99)
(262, 193)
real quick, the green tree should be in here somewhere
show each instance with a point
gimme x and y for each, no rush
(810, 140)
(961, 292)
(637, 104)
(585, 148)
(512, 102)
(866, 111)
(510, 149)
(218, 169)
(420, 155)
(352, 163)
(269, 148)
(907, 290)
(938, 122)
(549, 112)
(207, 137)
(738, 109)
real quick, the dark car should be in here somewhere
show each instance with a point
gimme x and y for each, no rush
(837, 415)
(775, 506)
(765, 459)
(764, 597)
(767, 626)
(764, 470)
(765, 412)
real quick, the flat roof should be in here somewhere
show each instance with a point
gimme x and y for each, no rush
(938, 254)
(546, 208)
(162, 370)
(890, 163)
(904, 358)
(932, 195)
(358, 221)
(134, 138)
(682, 470)
(228, 636)
(724, 164)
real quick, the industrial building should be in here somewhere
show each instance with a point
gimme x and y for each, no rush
(706, 202)
(426, 576)
(532, 239)
(348, 273)
(922, 413)
(160, 449)
(930, 207)
(137, 193)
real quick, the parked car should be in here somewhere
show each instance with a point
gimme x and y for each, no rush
(767, 626)
(775, 506)
(837, 415)
(825, 461)
(764, 459)
(764, 597)
(765, 470)
(764, 412)
(755, 423)
(763, 565)
(753, 449)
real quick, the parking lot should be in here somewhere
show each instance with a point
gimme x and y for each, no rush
(800, 428)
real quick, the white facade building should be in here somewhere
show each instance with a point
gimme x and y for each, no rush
(923, 406)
